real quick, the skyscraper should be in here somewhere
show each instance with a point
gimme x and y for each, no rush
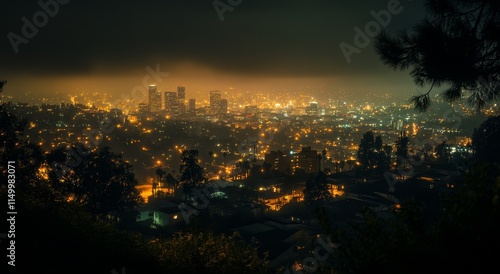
(171, 103)
(215, 101)
(223, 106)
(181, 92)
(192, 107)
(181, 96)
(154, 99)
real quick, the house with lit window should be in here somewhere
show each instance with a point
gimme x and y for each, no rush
(159, 213)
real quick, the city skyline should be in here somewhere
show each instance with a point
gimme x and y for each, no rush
(258, 46)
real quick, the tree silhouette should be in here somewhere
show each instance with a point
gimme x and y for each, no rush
(27, 156)
(101, 181)
(159, 175)
(366, 150)
(443, 152)
(457, 46)
(383, 156)
(476, 201)
(402, 152)
(171, 181)
(389, 245)
(316, 190)
(372, 154)
(206, 252)
(191, 172)
(76, 236)
(402, 145)
(158, 182)
(426, 150)
(246, 166)
(462, 238)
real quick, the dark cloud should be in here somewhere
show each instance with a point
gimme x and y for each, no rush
(92, 44)
(258, 37)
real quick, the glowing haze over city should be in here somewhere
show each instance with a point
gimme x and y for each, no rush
(265, 47)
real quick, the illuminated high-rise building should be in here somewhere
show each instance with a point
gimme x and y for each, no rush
(154, 99)
(171, 103)
(192, 107)
(223, 106)
(215, 102)
(181, 96)
(181, 92)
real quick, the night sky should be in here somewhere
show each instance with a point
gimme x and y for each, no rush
(260, 45)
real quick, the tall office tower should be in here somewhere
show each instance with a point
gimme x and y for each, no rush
(181, 96)
(181, 92)
(154, 99)
(215, 101)
(192, 107)
(171, 103)
(223, 106)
